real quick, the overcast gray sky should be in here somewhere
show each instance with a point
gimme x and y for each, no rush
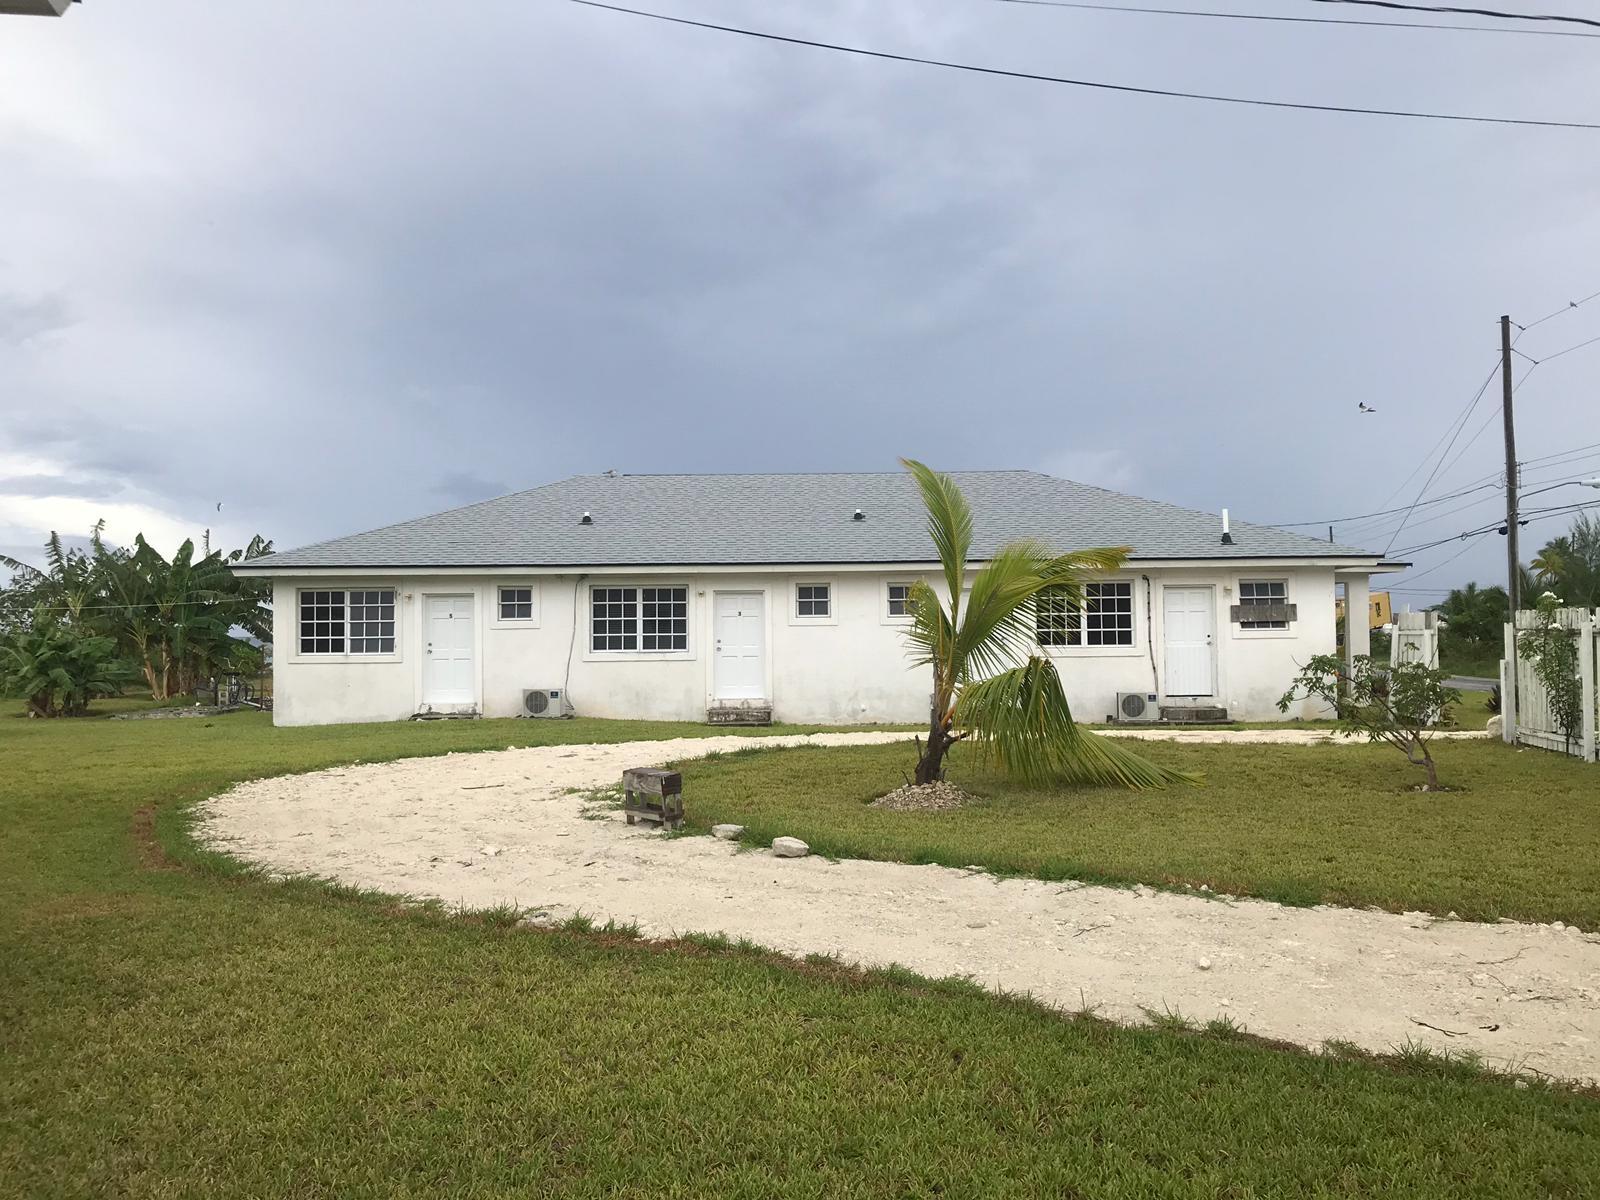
(333, 265)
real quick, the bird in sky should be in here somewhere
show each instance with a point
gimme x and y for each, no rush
(1364, 407)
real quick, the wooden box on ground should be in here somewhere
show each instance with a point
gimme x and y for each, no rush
(651, 794)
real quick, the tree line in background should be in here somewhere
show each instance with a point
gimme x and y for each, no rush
(1567, 567)
(91, 621)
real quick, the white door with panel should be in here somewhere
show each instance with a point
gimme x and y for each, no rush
(449, 677)
(1190, 625)
(739, 655)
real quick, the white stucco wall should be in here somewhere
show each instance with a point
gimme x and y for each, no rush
(851, 668)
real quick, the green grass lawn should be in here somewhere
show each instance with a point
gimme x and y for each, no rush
(171, 1027)
(1300, 824)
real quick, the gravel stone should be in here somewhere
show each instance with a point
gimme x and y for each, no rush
(923, 797)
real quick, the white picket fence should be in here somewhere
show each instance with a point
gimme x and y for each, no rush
(1415, 639)
(1525, 706)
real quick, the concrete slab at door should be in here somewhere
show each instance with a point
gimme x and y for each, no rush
(739, 662)
(1190, 624)
(448, 676)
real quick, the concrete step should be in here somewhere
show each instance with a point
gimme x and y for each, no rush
(1194, 714)
(745, 712)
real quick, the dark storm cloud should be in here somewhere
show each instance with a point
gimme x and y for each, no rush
(458, 256)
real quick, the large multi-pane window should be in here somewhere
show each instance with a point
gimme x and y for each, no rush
(1255, 593)
(336, 621)
(639, 618)
(1106, 619)
(813, 600)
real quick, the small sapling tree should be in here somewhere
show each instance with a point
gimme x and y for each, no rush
(1552, 650)
(1399, 705)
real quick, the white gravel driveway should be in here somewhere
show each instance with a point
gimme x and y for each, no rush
(507, 826)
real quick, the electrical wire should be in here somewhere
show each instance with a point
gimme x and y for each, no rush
(1523, 518)
(1467, 12)
(1097, 85)
(1459, 425)
(1380, 513)
(1431, 570)
(1232, 16)
(1570, 305)
(1568, 350)
(1561, 454)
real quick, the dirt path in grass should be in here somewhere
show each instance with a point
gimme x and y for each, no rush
(508, 827)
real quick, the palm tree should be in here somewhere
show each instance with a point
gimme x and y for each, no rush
(989, 683)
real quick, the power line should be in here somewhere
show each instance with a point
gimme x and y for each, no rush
(1561, 454)
(1098, 85)
(1523, 518)
(1380, 513)
(1570, 305)
(1460, 424)
(1231, 16)
(1432, 569)
(1568, 350)
(1468, 12)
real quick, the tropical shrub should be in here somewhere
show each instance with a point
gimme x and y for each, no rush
(1551, 650)
(1397, 705)
(174, 620)
(989, 684)
(57, 669)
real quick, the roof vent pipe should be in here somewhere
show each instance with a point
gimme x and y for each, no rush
(1227, 536)
(586, 519)
(859, 516)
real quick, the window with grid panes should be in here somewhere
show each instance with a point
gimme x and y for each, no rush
(639, 618)
(899, 599)
(516, 604)
(1263, 591)
(813, 600)
(1106, 619)
(358, 621)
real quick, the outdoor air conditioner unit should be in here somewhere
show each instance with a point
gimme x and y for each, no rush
(545, 702)
(1138, 706)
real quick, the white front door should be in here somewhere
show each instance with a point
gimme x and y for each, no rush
(1190, 624)
(448, 677)
(739, 663)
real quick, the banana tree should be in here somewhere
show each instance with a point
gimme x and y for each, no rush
(990, 684)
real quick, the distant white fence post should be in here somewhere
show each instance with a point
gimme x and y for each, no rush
(1587, 650)
(1415, 639)
(1508, 687)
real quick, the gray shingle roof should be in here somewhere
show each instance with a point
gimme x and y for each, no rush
(688, 520)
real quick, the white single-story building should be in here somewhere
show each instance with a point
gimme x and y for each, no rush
(670, 596)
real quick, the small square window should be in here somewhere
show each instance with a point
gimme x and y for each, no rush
(899, 599)
(516, 604)
(813, 600)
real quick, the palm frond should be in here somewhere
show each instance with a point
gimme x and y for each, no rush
(22, 568)
(949, 525)
(1020, 719)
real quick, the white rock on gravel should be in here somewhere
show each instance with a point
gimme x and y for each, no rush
(790, 847)
(728, 833)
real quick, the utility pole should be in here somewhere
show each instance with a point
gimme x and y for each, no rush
(1513, 560)
(1508, 696)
